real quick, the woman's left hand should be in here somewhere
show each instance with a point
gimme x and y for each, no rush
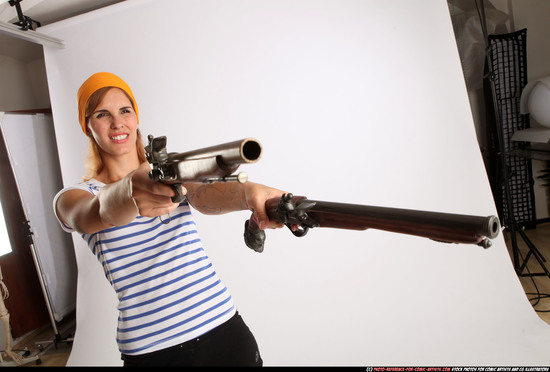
(256, 196)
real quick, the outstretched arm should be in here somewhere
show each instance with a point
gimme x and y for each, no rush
(219, 198)
(116, 204)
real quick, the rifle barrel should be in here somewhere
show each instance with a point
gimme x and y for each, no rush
(247, 150)
(444, 227)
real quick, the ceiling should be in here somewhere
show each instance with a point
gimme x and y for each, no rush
(44, 12)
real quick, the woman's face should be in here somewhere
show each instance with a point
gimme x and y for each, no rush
(113, 124)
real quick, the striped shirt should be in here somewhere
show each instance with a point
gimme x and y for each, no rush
(167, 289)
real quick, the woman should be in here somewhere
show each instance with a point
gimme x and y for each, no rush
(173, 307)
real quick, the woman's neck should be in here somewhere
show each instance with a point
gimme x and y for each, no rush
(116, 168)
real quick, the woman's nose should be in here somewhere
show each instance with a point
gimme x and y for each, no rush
(116, 121)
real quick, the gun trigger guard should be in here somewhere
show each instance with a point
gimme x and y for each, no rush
(165, 222)
(179, 194)
(300, 232)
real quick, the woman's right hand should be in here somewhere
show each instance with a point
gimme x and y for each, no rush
(152, 198)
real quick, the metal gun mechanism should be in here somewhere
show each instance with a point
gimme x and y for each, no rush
(290, 214)
(157, 156)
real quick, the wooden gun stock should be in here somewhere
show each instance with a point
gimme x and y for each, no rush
(306, 214)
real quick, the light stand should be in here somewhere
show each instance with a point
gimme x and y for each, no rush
(509, 220)
(57, 339)
(26, 23)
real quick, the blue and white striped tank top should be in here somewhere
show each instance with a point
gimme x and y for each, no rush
(167, 289)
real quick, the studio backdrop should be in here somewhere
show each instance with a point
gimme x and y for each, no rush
(354, 101)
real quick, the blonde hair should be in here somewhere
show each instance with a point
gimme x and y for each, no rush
(94, 162)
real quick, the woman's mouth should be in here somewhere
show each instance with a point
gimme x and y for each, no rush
(120, 137)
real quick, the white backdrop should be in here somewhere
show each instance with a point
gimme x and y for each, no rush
(356, 101)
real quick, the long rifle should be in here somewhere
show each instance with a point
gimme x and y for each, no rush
(304, 214)
(217, 163)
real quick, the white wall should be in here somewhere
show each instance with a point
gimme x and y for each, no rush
(534, 15)
(22, 75)
(14, 77)
(36, 71)
(354, 101)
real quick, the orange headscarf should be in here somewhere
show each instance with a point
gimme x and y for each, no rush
(94, 83)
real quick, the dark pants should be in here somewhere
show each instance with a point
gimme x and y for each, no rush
(230, 344)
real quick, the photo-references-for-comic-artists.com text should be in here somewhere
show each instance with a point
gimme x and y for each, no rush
(458, 369)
